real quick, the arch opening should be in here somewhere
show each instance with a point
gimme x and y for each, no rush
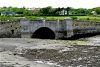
(44, 33)
(12, 31)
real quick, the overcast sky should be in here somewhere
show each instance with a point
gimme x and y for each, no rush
(53, 3)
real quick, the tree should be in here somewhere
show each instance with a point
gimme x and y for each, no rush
(56, 11)
(46, 10)
(68, 8)
(97, 9)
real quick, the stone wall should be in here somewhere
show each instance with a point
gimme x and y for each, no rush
(9, 29)
(82, 27)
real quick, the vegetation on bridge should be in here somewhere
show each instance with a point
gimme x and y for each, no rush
(87, 18)
(83, 18)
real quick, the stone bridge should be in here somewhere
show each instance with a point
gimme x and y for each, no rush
(46, 29)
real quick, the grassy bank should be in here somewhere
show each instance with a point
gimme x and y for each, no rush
(84, 18)
(89, 18)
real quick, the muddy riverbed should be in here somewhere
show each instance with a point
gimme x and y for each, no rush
(23, 52)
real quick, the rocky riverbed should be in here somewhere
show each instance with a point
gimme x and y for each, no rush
(23, 52)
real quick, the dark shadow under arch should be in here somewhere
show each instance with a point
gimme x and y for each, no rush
(44, 33)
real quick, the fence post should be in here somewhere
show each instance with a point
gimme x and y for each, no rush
(44, 23)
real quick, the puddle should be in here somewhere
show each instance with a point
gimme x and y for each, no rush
(48, 63)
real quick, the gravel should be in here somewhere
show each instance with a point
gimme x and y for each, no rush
(25, 52)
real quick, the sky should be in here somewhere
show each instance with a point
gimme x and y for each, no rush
(53, 3)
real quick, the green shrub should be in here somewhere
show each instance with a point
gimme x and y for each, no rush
(74, 17)
(88, 18)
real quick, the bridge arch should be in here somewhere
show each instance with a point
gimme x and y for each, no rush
(44, 33)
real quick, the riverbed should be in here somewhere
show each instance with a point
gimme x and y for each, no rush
(26, 52)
